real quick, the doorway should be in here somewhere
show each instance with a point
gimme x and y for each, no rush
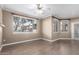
(75, 30)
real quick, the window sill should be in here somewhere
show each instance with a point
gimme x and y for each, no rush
(24, 32)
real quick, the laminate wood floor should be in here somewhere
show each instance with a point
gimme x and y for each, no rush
(41, 47)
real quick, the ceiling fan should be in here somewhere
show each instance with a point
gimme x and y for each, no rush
(39, 6)
(42, 8)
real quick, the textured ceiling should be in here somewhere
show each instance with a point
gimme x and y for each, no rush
(57, 10)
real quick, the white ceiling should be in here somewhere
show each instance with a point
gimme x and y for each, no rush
(57, 10)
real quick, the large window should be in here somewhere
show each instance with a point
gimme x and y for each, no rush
(23, 24)
(56, 25)
(64, 25)
(60, 25)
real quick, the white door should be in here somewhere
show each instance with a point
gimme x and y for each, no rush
(75, 30)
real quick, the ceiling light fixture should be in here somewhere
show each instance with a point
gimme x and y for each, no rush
(40, 8)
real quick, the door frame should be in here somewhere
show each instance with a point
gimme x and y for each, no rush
(72, 29)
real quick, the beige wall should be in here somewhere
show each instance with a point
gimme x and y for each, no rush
(9, 36)
(47, 28)
(66, 34)
(74, 20)
(0, 28)
(62, 34)
(55, 35)
(0, 15)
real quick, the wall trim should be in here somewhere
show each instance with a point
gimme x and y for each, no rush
(65, 38)
(0, 48)
(20, 42)
(49, 40)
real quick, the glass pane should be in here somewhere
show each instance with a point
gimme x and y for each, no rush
(24, 25)
(64, 25)
(16, 24)
(76, 31)
(56, 25)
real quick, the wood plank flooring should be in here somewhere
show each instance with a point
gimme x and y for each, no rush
(41, 47)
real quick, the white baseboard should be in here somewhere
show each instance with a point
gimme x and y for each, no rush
(0, 48)
(49, 40)
(58, 39)
(21, 42)
(65, 38)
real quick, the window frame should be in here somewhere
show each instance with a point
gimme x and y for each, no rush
(55, 26)
(61, 26)
(25, 18)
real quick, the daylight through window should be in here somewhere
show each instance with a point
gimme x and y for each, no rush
(21, 24)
